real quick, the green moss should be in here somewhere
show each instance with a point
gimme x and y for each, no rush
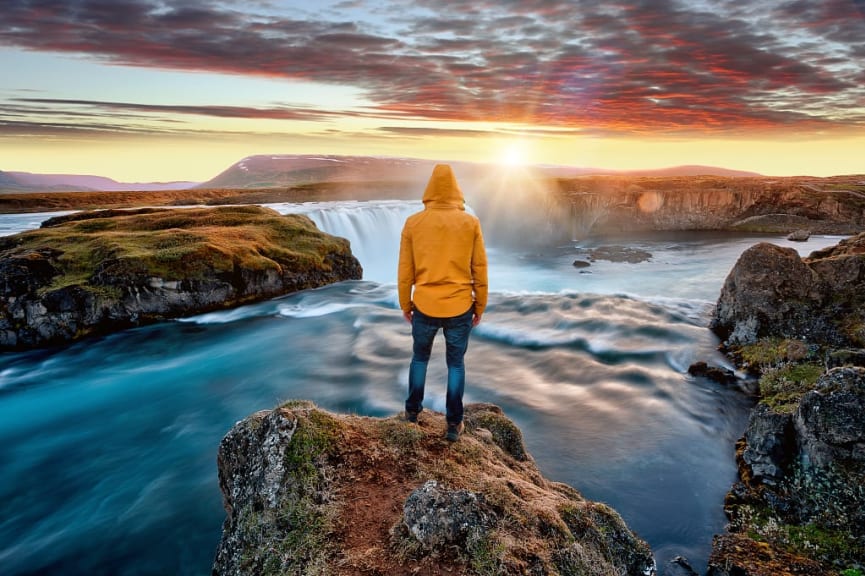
(588, 523)
(819, 543)
(822, 544)
(781, 387)
(768, 352)
(469, 454)
(501, 495)
(179, 244)
(486, 555)
(404, 545)
(443, 469)
(314, 439)
(297, 533)
(297, 405)
(291, 540)
(305, 547)
(506, 434)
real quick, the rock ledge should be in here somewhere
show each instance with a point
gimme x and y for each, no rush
(311, 492)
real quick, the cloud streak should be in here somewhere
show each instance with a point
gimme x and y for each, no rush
(102, 107)
(629, 68)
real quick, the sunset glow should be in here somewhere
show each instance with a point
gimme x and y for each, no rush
(513, 154)
(151, 90)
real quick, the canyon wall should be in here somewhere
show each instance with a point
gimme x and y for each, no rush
(616, 204)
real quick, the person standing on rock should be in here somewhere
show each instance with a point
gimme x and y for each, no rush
(442, 283)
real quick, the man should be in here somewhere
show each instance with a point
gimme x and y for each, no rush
(442, 256)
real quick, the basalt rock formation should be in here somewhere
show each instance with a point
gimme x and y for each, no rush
(311, 492)
(96, 272)
(799, 324)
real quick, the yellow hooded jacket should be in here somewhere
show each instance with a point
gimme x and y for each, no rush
(442, 253)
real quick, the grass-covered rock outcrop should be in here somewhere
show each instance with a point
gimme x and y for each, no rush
(95, 272)
(797, 325)
(309, 492)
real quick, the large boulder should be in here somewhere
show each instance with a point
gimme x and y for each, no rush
(96, 272)
(771, 291)
(438, 517)
(311, 492)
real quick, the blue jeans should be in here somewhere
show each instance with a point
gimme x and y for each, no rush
(423, 331)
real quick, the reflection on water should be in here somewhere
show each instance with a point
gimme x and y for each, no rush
(108, 446)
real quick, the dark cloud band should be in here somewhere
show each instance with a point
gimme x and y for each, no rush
(629, 67)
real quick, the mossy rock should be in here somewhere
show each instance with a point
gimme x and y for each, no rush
(307, 491)
(96, 272)
(506, 435)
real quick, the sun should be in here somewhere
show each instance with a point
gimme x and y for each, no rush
(513, 155)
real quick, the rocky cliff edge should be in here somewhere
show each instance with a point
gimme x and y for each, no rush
(799, 326)
(311, 492)
(100, 271)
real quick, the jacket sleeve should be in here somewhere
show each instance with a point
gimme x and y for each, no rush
(479, 271)
(405, 271)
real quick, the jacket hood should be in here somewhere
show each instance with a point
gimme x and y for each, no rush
(442, 189)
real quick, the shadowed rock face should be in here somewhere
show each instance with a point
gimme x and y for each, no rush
(803, 468)
(103, 271)
(826, 431)
(771, 291)
(311, 492)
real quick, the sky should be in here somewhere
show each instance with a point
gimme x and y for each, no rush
(154, 90)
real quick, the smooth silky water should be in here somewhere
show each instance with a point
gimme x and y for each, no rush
(108, 446)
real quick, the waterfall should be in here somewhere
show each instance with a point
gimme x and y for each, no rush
(372, 227)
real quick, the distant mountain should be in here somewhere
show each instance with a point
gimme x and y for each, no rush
(691, 170)
(12, 182)
(271, 171)
(29, 182)
(287, 170)
(7, 181)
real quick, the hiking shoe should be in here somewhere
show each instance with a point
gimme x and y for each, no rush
(411, 417)
(454, 431)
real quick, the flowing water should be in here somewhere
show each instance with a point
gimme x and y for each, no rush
(108, 446)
